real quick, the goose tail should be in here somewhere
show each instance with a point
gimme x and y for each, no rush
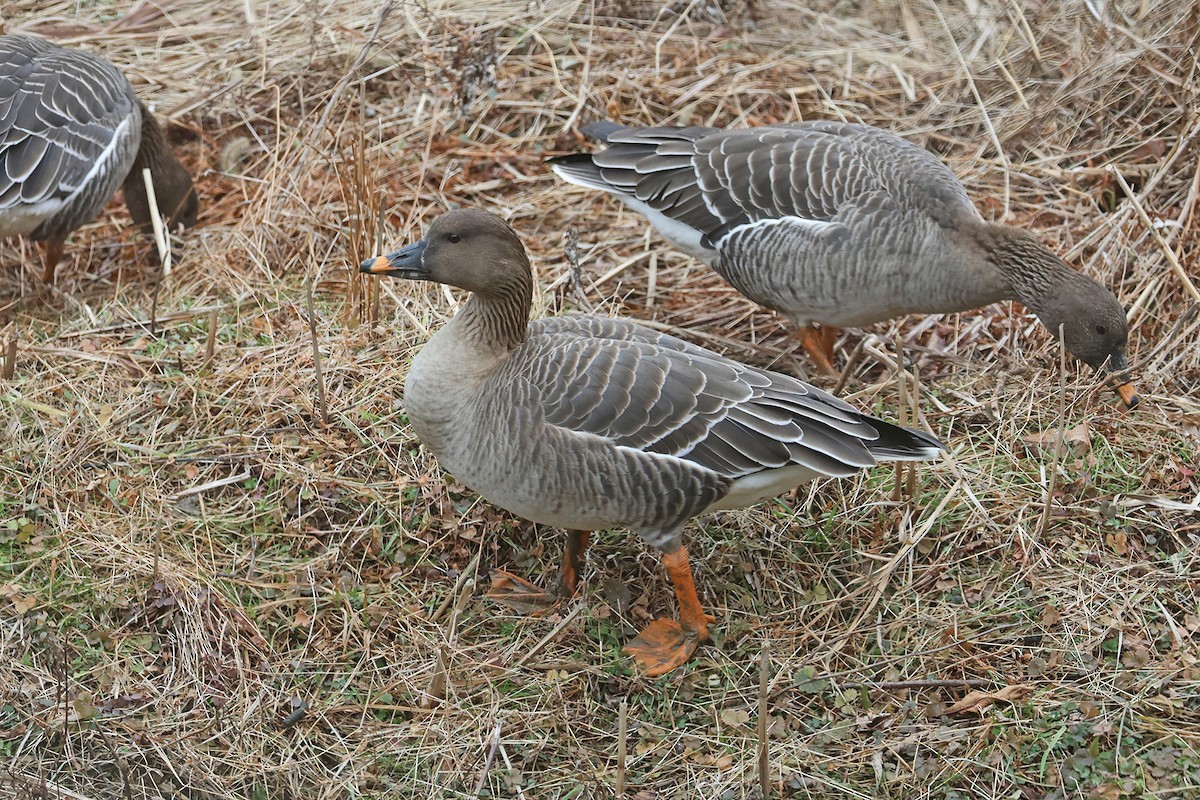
(896, 443)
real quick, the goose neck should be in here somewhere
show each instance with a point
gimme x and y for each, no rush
(499, 318)
(1034, 273)
(153, 151)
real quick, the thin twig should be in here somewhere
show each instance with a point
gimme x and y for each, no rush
(1059, 435)
(549, 637)
(1158, 239)
(926, 683)
(622, 745)
(316, 351)
(466, 575)
(210, 343)
(361, 59)
(764, 682)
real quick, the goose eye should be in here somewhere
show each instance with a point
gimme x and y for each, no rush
(453, 238)
(1100, 329)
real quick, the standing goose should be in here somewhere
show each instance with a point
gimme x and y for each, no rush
(842, 225)
(588, 423)
(71, 132)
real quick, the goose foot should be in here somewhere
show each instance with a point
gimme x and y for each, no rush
(662, 646)
(520, 595)
(666, 644)
(53, 254)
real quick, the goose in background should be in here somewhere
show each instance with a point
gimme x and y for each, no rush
(840, 225)
(589, 423)
(71, 132)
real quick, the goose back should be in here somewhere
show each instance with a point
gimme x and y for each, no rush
(821, 221)
(842, 224)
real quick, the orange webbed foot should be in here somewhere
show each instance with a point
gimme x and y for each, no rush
(664, 645)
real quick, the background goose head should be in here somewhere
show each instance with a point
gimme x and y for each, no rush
(468, 248)
(174, 192)
(1091, 319)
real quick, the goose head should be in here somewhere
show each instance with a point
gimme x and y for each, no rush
(467, 248)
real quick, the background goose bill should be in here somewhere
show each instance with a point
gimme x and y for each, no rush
(1126, 391)
(406, 263)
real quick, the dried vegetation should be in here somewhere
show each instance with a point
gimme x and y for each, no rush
(212, 586)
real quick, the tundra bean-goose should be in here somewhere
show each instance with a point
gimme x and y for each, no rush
(842, 225)
(588, 423)
(71, 132)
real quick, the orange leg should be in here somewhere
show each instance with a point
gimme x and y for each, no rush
(523, 596)
(818, 343)
(53, 254)
(666, 644)
(577, 544)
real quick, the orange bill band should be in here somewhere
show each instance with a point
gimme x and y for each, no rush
(1128, 394)
(376, 266)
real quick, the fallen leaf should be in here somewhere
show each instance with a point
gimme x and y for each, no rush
(1078, 439)
(1151, 150)
(735, 717)
(978, 701)
(617, 594)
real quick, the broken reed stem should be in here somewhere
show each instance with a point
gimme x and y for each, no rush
(161, 240)
(571, 253)
(10, 358)
(436, 689)
(158, 280)
(210, 343)
(373, 286)
(316, 348)
(915, 416)
(487, 764)
(764, 681)
(1058, 437)
(622, 745)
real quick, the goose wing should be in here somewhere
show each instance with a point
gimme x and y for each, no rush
(640, 389)
(60, 111)
(810, 174)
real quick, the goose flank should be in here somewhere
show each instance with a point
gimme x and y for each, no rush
(589, 423)
(838, 224)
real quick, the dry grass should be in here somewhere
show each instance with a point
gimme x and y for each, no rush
(207, 590)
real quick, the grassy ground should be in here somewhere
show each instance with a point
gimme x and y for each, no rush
(213, 586)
